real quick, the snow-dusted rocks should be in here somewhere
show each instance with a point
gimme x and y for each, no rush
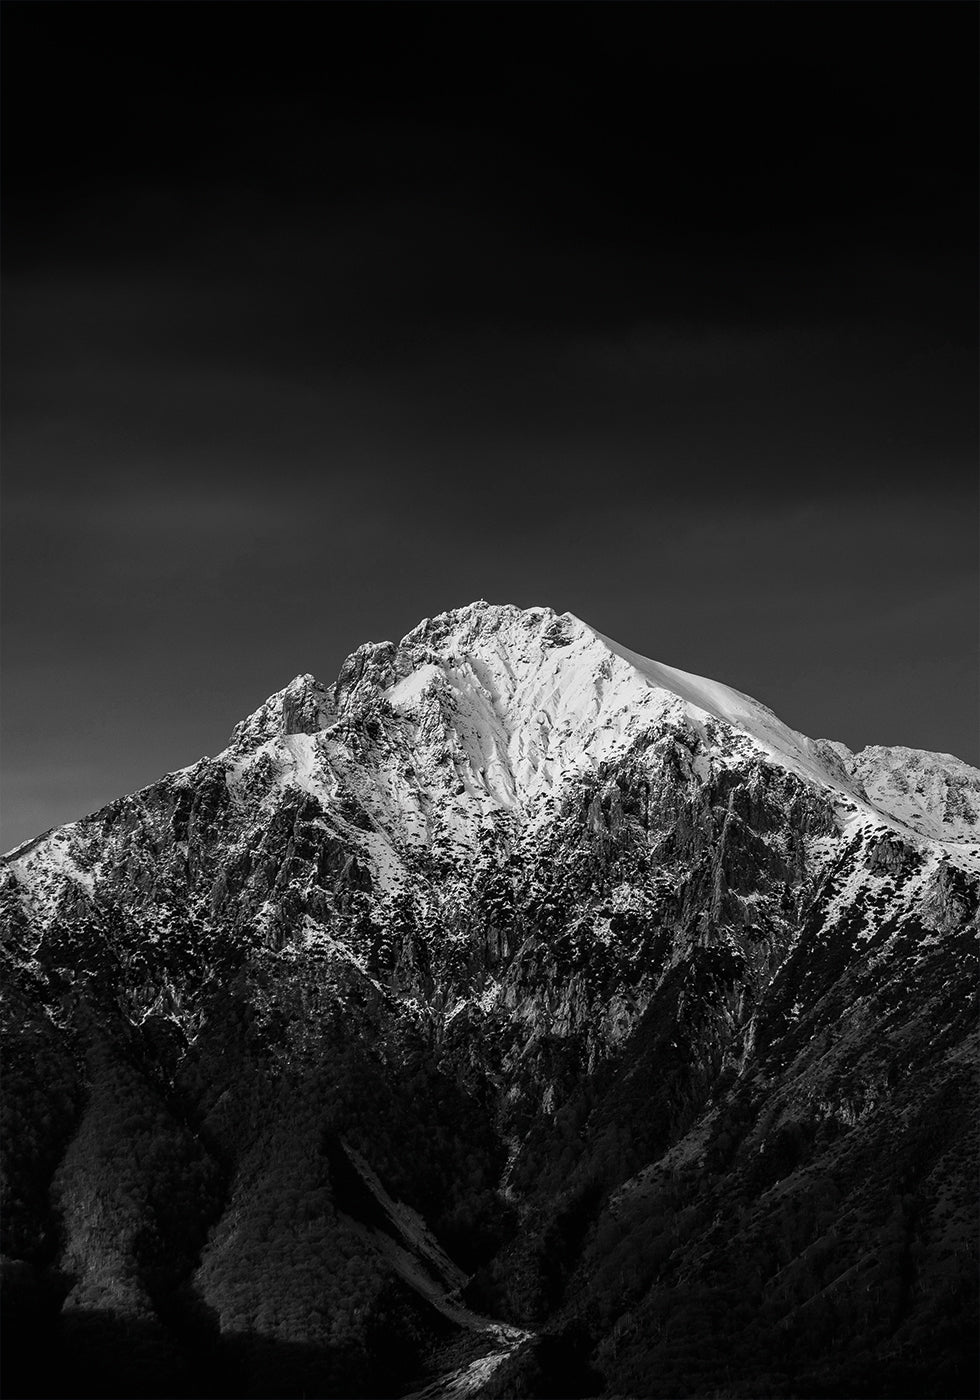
(301, 707)
(933, 793)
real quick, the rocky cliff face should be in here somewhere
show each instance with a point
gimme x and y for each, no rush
(556, 941)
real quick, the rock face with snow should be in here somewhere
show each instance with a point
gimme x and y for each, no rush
(933, 793)
(595, 964)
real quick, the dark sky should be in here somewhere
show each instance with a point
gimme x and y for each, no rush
(322, 318)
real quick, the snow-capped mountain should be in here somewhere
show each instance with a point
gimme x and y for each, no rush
(543, 937)
(497, 709)
(511, 705)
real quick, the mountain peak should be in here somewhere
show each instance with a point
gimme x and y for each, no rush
(302, 707)
(526, 694)
(481, 617)
(552, 672)
(491, 706)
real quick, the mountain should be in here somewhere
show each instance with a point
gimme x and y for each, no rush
(516, 1016)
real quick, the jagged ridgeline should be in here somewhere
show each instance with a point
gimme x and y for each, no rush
(515, 1017)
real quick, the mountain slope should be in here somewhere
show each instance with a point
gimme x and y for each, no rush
(571, 950)
(933, 793)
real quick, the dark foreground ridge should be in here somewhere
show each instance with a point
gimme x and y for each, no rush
(513, 1018)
